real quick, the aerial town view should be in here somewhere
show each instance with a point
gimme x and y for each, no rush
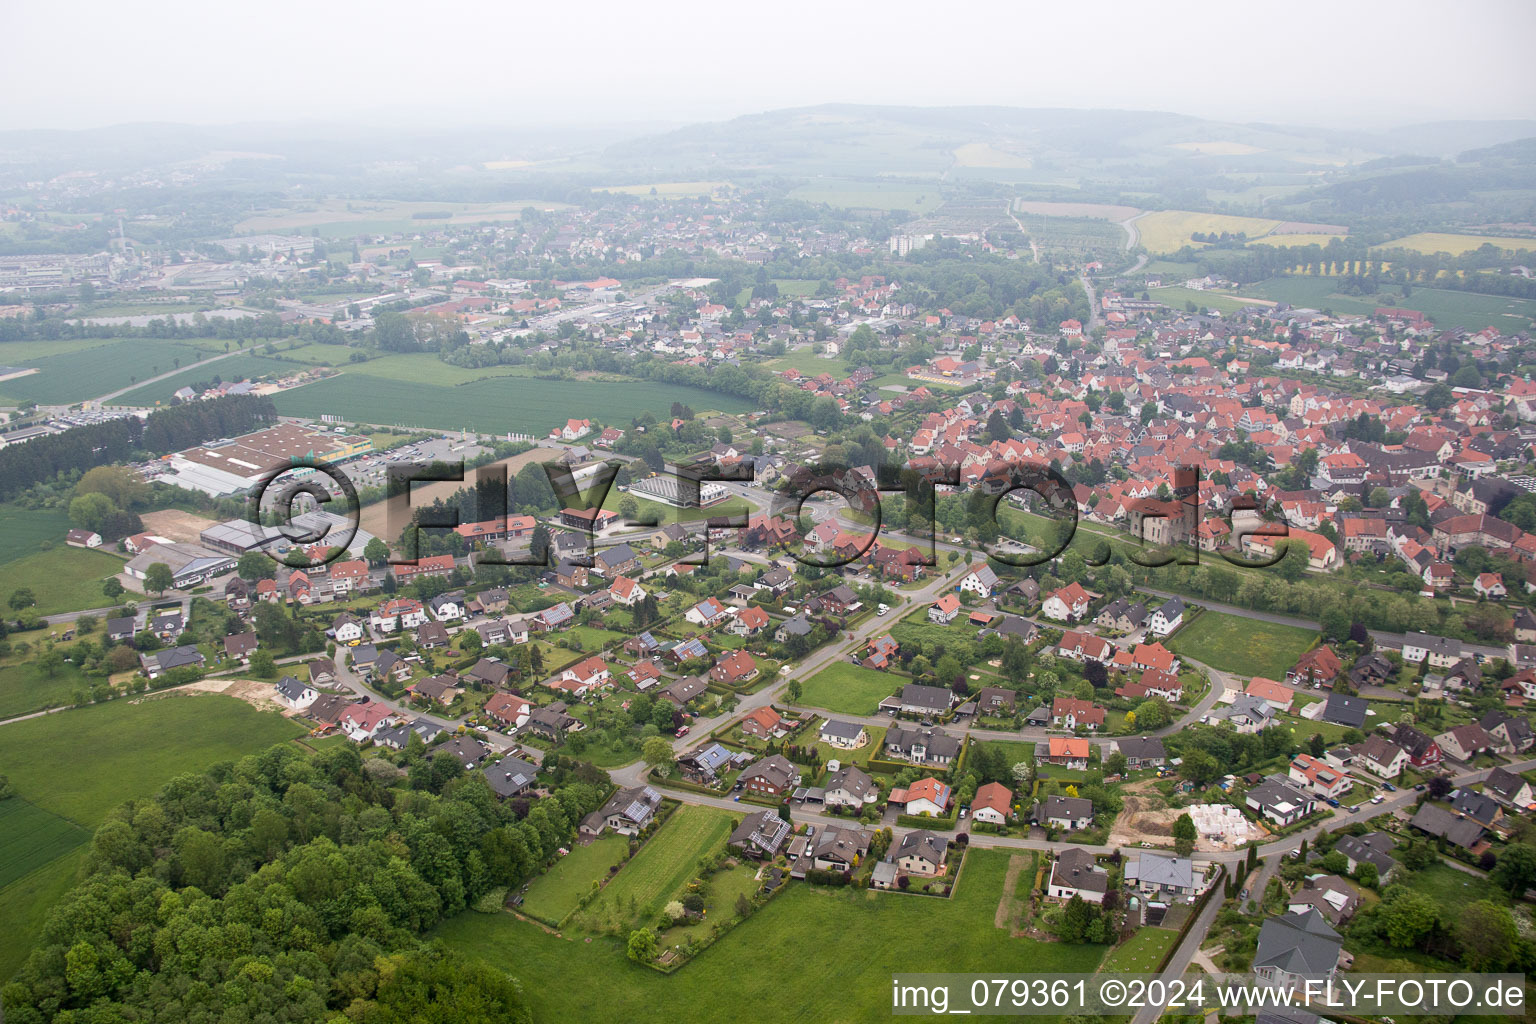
(698, 514)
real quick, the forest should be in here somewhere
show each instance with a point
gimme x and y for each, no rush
(294, 887)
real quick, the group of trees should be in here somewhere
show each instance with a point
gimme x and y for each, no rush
(96, 444)
(294, 888)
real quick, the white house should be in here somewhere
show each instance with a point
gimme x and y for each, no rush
(348, 629)
(296, 694)
(1167, 617)
(1068, 604)
(981, 580)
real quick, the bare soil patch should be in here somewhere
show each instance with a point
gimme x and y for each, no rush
(1144, 817)
(174, 524)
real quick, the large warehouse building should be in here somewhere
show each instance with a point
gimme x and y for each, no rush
(235, 466)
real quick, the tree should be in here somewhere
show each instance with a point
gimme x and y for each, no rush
(112, 587)
(656, 751)
(1406, 917)
(642, 946)
(1184, 835)
(1114, 764)
(1440, 787)
(255, 565)
(1335, 863)
(263, 666)
(1489, 940)
(793, 691)
(158, 578)
(89, 511)
(1516, 870)
(628, 508)
(1366, 874)
(22, 597)
(1075, 920)
(674, 910)
(376, 552)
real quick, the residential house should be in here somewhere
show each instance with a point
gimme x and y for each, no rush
(980, 580)
(927, 796)
(296, 694)
(1380, 756)
(361, 721)
(921, 746)
(992, 804)
(1071, 713)
(1465, 742)
(1442, 824)
(774, 775)
(1159, 876)
(1313, 774)
(1276, 695)
(917, 699)
(734, 668)
(850, 787)
(1166, 617)
(921, 853)
(1077, 873)
(510, 776)
(1372, 848)
(760, 835)
(627, 812)
(1295, 950)
(1318, 667)
(508, 709)
(1439, 651)
(944, 610)
(1280, 800)
(1140, 752)
(1510, 789)
(1065, 751)
(1064, 812)
(843, 735)
(1343, 709)
(1068, 604)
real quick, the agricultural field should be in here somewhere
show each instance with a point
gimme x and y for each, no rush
(343, 218)
(76, 373)
(234, 368)
(555, 893)
(849, 689)
(64, 579)
(1445, 307)
(132, 753)
(1431, 242)
(984, 154)
(1046, 208)
(1169, 230)
(655, 874)
(496, 405)
(871, 195)
(863, 925)
(30, 837)
(1082, 235)
(669, 189)
(1247, 647)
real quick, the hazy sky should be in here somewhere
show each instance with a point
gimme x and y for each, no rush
(1337, 62)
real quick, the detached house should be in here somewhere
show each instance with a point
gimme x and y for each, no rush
(1068, 604)
(944, 610)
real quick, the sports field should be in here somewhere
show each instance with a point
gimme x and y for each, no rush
(657, 873)
(496, 405)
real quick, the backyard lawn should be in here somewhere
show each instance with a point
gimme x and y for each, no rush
(1247, 647)
(1141, 953)
(655, 875)
(849, 689)
(556, 892)
(865, 927)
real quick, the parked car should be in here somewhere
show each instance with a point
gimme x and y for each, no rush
(1419, 788)
(1389, 787)
(1332, 802)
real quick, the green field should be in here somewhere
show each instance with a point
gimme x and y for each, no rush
(809, 362)
(849, 689)
(792, 288)
(556, 892)
(25, 688)
(1446, 308)
(1247, 647)
(23, 529)
(64, 579)
(493, 405)
(872, 195)
(1140, 955)
(30, 837)
(25, 903)
(135, 747)
(233, 368)
(76, 373)
(811, 956)
(661, 868)
(1176, 296)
